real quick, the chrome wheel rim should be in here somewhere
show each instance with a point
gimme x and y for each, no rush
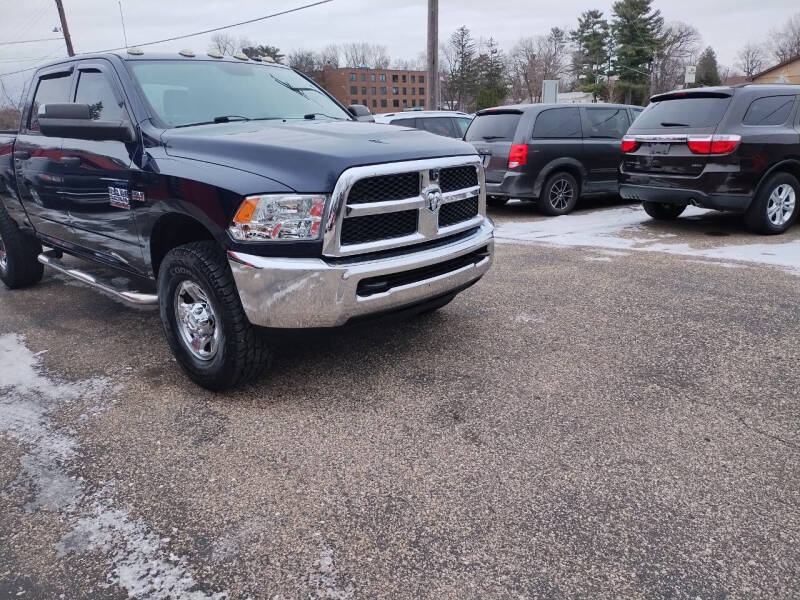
(3, 256)
(196, 320)
(560, 194)
(781, 204)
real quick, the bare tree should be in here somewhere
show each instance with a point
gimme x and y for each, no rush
(330, 56)
(364, 54)
(533, 60)
(411, 64)
(785, 41)
(680, 48)
(224, 43)
(752, 59)
(305, 61)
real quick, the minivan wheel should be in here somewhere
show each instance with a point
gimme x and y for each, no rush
(19, 266)
(662, 211)
(775, 207)
(496, 200)
(204, 322)
(559, 195)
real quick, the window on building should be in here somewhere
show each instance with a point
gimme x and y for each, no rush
(383, 90)
(364, 102)
(383, 77)
(363, 77)
(353, 89)
(395, 90)
(413, 78)
(374, 91)
(413, 91)
(372, 77)
(421, 91)
(352, 76)
(404, 92)
(374, 104)
(396, 103)
(405, 103)
(422, 78)
(394, 78)
(364, 90)
(404, 78)
(422, 102)
(384, 103)
(413, 103)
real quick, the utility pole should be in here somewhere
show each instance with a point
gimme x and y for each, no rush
(64, 28)
(433, 54)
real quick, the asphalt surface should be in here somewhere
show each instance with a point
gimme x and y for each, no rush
(583, 423)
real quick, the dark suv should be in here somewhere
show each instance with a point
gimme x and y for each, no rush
(726, 148)
(553, 153)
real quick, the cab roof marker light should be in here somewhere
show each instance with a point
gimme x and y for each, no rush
(187, 53)
(241, 56)
(215, 54)
(135, 51)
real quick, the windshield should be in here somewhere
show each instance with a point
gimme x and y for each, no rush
(185, 93)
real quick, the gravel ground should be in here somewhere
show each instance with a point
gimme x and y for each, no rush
(585, 422)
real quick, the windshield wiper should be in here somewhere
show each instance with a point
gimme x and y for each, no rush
(671, 124)
(492, 137)
(312, 116)
(229, 118)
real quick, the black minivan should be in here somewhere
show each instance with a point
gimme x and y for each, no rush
(552, 153)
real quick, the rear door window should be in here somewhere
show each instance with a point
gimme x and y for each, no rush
(493, 127)
(558, 123)
(609, 123)
(404, 122)
(772, 110)
(50, 90)
(684, 112)
(438, 125)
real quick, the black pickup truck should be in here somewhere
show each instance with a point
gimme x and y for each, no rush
(243, 195)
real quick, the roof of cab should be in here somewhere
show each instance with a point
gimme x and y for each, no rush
(530, 107)
(127, 56)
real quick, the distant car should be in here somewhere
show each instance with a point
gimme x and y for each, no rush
(441, 122)
(551, 153)
(728, 148)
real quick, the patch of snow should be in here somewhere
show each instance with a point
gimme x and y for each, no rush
(28, 396)
(529, 319)
(325, 580)
(599, 258)
(623, 229)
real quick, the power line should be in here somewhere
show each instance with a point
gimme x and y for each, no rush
(30, 41)
(188, 35)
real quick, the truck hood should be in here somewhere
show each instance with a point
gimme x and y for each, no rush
(307, 156)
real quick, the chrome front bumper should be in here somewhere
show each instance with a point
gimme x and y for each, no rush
(312, 292)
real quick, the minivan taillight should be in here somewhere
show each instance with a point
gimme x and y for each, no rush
(518, 155)
(713, 144)
(629, 144)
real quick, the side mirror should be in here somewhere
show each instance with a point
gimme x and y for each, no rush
(71, 120)
(361, 113)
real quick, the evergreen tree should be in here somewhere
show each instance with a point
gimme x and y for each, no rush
(591, 57)
(638, 38)
(264, 50)
(707, 68)
(493, 86)
(462, 68)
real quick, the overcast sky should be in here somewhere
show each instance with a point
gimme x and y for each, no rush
(400, 25)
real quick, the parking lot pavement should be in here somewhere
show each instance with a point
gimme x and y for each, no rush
(612, 418)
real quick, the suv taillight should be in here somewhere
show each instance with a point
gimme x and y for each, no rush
(629, 144)
(713, 144)
(518, 155)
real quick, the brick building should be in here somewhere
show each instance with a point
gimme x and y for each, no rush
(382, 90)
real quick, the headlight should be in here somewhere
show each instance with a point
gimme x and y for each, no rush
(278, 217)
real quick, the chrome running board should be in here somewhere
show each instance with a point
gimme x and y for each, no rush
(131, 297)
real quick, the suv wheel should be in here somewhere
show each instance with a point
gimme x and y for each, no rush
(662, 211)
(775, 207)
(496, 200)
(204, 321)
(559, 194)
(19, 266)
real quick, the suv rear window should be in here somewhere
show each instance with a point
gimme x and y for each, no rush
(558, 123)
(772, 110)
(493, 126)
(684, 112)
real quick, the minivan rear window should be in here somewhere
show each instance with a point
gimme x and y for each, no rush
(683, 112)
(493, 127)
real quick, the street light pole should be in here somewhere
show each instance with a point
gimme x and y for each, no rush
(433, 53)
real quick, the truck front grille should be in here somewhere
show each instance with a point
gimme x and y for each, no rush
(456, 212)
(386, 206)
(373, 228)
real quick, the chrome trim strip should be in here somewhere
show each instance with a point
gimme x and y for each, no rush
(661, 137)
(427, 222)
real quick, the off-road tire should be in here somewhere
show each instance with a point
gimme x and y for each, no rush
(242, 351)
(20, 267)
(552, 207)
(662, 211)
(757, 218)
(496, 200)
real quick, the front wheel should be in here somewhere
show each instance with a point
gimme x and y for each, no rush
(204, 321)
(19, 266)
(663, 212)
(775, 207)
(559, 194)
